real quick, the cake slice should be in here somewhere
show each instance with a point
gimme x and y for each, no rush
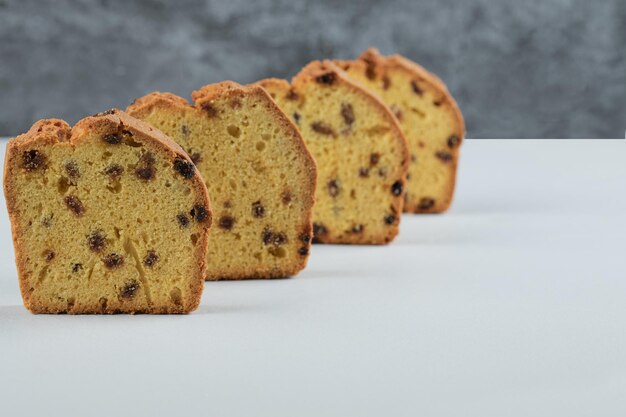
(259, 173)
(107, 217)
(430, 120)
(361, 154)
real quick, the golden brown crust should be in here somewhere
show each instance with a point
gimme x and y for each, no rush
(222, 89)
(49, 132)
(278, 83)
(203, 102)
(144, 105)
(375, 65)
(309, 75)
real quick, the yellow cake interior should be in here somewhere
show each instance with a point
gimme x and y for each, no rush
(360, 159)
(260, 182)
(98, 225)
(431, 126)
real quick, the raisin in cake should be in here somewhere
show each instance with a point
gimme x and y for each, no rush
(361, 154)
(107, 217)
(430, 119)
(260, 176)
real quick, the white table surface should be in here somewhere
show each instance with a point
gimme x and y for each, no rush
(511, 304)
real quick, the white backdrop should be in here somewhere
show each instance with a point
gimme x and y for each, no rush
(511, 304)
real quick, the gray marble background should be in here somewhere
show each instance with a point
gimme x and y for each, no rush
(519, 69)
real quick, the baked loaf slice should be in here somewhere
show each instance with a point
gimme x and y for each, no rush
(260, 176)
(107, 217)
(361, 154)
(430, 119)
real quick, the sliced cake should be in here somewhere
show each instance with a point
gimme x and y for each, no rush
(107, 217)
(259, 173)
(430, 119)
(360, 150)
